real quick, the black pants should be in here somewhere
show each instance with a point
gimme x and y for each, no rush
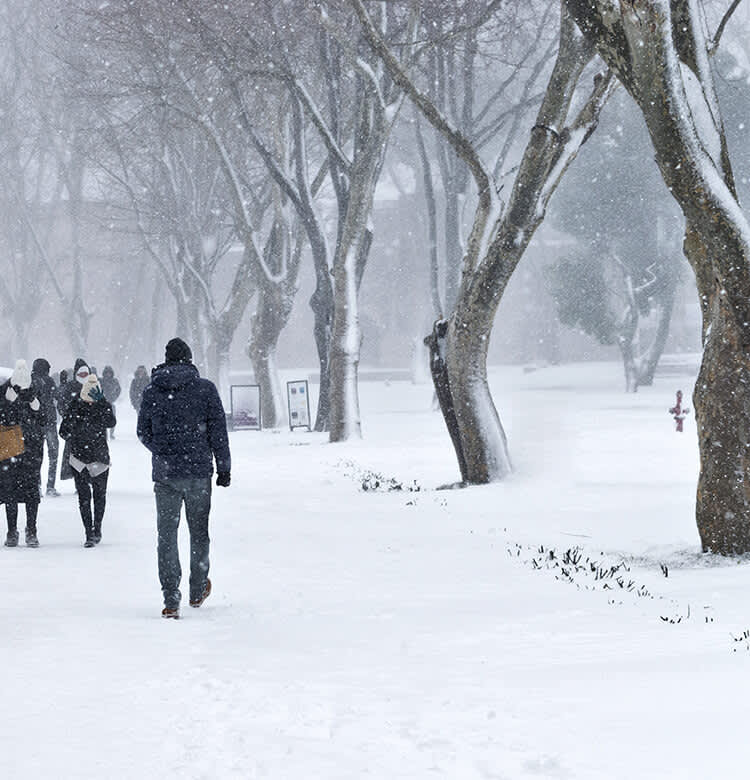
(11, 513)
(86, 487)
(53, 448)
(171, 494)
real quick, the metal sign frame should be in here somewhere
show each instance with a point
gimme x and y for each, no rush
(245, 406)
(298, 389)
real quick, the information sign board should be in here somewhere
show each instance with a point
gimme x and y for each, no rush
(299, 404)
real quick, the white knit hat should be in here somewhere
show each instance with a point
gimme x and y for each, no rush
(21, 375)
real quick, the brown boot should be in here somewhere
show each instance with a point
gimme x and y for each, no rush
(206, 593)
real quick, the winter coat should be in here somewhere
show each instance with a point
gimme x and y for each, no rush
(46, 390)
(139, 383)
(110, 384)
(85, 429)
(182, 422)
(19, 477)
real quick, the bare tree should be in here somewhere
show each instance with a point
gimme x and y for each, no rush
(500, 234)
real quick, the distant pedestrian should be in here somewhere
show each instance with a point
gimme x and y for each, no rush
(19, 475)
(63, 380)
(85, 429)
(46, 391)
(137, 385)
(182, 422)
(111, 389)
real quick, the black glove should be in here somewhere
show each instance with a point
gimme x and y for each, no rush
(96, 394)
(223, 478)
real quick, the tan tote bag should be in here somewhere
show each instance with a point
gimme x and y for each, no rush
(11, 441)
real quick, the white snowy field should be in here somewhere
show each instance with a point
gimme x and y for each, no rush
(396, 634)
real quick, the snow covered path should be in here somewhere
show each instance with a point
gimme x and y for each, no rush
(394, 634)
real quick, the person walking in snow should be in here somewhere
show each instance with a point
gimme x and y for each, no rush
(67, 393)
(61, 389)
(84, 427)
(46, 391)
(137, 385)
(111, 389)
(19, 475)
(182, 422)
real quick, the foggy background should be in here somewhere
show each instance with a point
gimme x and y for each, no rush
(68, 65)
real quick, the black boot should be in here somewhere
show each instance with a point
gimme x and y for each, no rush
(31, 513)
(96, 534)
(11, 513)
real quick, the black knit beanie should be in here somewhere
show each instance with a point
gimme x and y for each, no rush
(177, 351)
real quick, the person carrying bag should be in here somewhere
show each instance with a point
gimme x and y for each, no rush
(22, 440)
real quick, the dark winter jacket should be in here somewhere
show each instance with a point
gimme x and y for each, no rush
(46, 390)
(139, 383)
(110, 384)
(85, 427)
(19, 477)
(182, 422)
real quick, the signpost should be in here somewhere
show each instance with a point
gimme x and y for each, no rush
(298, 398)
(245, 406)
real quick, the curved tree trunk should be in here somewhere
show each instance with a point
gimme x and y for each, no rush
(547, 154)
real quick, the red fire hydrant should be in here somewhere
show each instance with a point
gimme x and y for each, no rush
(678, 412)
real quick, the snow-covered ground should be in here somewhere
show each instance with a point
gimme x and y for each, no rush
(396, 634)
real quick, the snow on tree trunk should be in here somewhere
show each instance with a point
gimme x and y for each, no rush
(321, 304)
(345, 343)
(349, 262)
(550, 150)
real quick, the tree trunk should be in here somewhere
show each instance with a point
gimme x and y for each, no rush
(349, 262)
(625, 340)
(650, 360)
(345, 343)
(722, 407)
(269, 320)
(321, 304)
(436, 342)
(660, 54)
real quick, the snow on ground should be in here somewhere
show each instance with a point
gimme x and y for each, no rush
(396, 634)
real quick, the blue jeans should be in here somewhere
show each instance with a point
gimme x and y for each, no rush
(170, 495)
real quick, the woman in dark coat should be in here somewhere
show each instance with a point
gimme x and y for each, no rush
(67, 393)
(19, 476)
(84, 427)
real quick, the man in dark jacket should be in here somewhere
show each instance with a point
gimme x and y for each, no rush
(46, 392)
(182, 422)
